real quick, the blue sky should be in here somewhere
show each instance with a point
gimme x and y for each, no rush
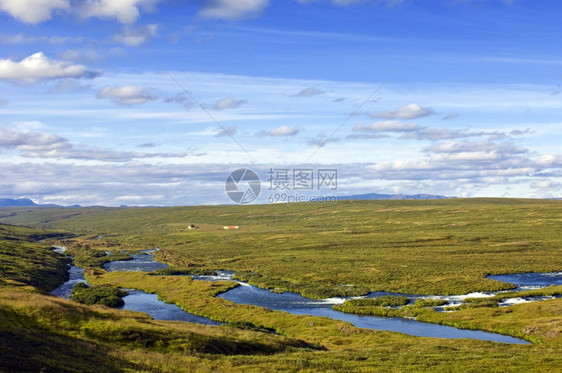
(93, 108)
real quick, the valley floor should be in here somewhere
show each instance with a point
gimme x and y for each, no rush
(441, 247)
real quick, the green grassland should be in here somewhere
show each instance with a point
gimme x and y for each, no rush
(348, 248)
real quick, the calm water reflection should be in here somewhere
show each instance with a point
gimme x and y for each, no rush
(526, 281)
(142, 262)
(296, 304)
(149, 303)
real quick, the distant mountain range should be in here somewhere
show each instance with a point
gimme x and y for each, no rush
(392, 196)
(25, 202)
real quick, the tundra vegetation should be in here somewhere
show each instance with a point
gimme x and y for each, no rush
(428, 302)
(318, 250)
(109, 296)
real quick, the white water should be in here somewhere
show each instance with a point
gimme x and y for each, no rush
(296, 304)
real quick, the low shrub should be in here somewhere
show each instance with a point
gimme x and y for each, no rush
(246, 325)
(429, 302)
(105, 295)
(384, 301)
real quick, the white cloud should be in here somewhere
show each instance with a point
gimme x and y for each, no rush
(348, 2)
(26, 126)
(17, 39)
(26, 39)
(133, 36)
(232, 9)
(351, 2)
(280, 131)
(272, 107)
(227, 132)
(107, 184)
(321, 140)
(36, 11)
(125, 11)
(33, 11)
(38, 67)
(462, 168)
(451, 116)
(413, 131)
(32, 143)
(550, 160)
(117, 156)
(431, 133)
(410, 111)
(365, 136)
(13, 139)
(311, 91)
(386, 126)
(47, 145)
(474, 156)
(226, 103)
(84, 55)
(67, 85)
(196, 183)
(548, 187)
(127, 95)
(476, 146)
(180, 99)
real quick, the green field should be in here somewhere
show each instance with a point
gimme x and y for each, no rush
(318, 250)
(423, 247)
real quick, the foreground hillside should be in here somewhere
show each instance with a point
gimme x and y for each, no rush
(315, 249)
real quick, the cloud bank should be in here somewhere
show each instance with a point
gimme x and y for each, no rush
(226, 103)
(134, 36)
(33, 11)
(37, 11)
(280, 131)
(127, 95)
(232, 9)
(411, 111)
(310, 91)
(38, 67)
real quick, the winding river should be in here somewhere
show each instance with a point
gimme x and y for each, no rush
(529, 281)
(143, 261)
(137, 300)
(140, 301)
(299, 305)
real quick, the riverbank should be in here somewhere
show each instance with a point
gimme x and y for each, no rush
(296, 304)
(394, 319)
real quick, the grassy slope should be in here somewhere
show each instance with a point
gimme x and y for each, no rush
(26, 262)
(39, 332)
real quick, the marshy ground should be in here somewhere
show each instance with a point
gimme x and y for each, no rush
(318, 250)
